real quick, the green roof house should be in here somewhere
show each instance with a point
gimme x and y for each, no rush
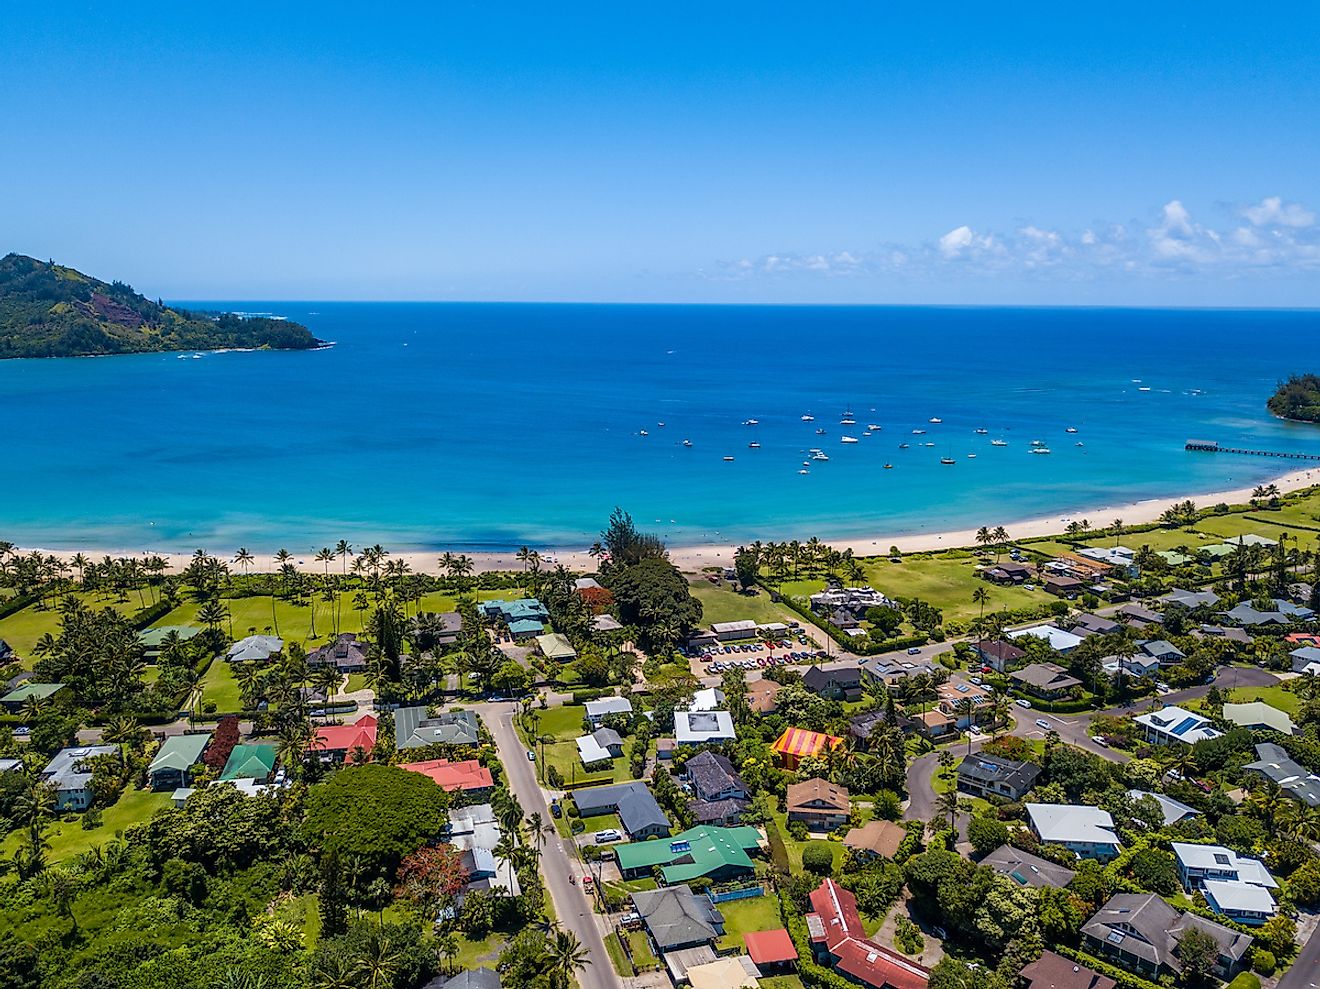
(717, 853)
(153, 639)
(254, 761)
(172, 766)
(15, 699)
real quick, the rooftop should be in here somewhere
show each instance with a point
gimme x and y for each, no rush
(1073, 823)
(1026, 869)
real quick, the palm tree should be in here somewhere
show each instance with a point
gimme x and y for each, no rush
(949, 803)
(1117, 526)
(981, 596)
(124, 731)
(379, 961)
(566, 954)
(244, 559)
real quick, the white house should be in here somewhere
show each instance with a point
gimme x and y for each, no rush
(1260, 716)
(1234, 885)
(708, 699)
(70, 775)
(700, 727)
(1173, 725)
(599, 710)
(1060, 641)
(1088, 832)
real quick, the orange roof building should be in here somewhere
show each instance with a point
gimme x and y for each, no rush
(770, 947)
(797, 744)
(470, 775)
(344, 740)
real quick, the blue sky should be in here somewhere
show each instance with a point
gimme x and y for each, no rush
(1154, 153)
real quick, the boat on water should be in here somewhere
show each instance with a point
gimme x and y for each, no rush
(1037, 442)
(847, 422)
(819, 455)
(918, 432)
(1080, 443)
(820, 432)
(1040, 449)
(687, 442)
(982, 432)
(947, 460)
(751, 422)
(1071, 429)
(889, 466)
(928, 444)
(873, 428)
(808, 418)
(1144, 388)
(660, 425)
(753, 445)
(643, 433)
(935, 419)
(971, 456)
(847, 439)
(728, 460)
(903, 446)
(999, 442)
(804, 471)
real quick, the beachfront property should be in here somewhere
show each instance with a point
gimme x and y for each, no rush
(986, 775)
(999, 655)
(1259, 716)
(1174, 726)
(1234, 885)
(601, 745)
(848, 603)
(69, 775)
(346, 743)
(1116, 557)
(639, 813)
(1060, 641)
(414, 727)
(843, 683)
(706, 851)
(172, 765)
(875, 839)
(598, 710)
(468, 776)
(556, 647)
(30, 691)
(153, 639)
(525, 618)
(1046, 680)
(1087, 832)
(1008, 574)
(345, 652)
(1174, 811)
(839, 940)
(1026, 869)
(254, 649)
(1141, 932)
(819, 804)
(1274, 764)
(796, 744)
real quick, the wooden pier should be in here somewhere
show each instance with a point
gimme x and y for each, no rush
(1210, 446)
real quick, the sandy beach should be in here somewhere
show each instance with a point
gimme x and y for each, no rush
(694, 558)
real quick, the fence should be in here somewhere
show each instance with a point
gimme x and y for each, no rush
(737, 893)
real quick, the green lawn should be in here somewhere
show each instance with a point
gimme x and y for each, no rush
(1277, 696)
(643, 957)
(565, 758)
(781, 982)
(24, 628)
(721, 604)
(220, 686)
(617, 958)
(68, 839)
(741, 916)
(563, 723)
(794, 848)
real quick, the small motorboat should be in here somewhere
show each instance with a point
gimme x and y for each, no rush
(751, 422)
(947, 460)
(819, 455)
(1071, 429)
(928, 444)
(889, 466)
(753, 445)
(903, 446)
(643, 433)
(1040, 449)
(1080, 443)
(728, 460)
(847, 439)
(660, 425)
(982, 432)
(918, 432)
(687, 443)
(820, 432)
(873, 428)
(999, 442)
(804, 471)
(808, 418)
(935, 419)
(971, 456)
(1037, 442)
(847, 422)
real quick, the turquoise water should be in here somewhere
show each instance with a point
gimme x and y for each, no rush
(485, 426)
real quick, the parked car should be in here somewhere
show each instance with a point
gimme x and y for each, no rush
(1042, 723)
(531, 755)
(1022, 702)
(914, 650)
(1100, 740)
(608, 835)
(555, 809)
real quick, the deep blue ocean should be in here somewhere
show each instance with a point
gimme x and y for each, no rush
(485, 426)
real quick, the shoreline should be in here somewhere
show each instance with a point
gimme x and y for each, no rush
(696, 557)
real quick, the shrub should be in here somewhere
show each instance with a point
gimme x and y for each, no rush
(1262, 962)
(1245, 980)
(797, 830)
(986, 834)
(908, 937)
(818, 857)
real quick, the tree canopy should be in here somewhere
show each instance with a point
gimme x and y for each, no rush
(1297, 398)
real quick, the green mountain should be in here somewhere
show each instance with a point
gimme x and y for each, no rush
(48, 310)
(1297, 398)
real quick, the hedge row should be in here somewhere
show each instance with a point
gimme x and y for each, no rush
(1122, 976)
(17, 603)
(152, 613)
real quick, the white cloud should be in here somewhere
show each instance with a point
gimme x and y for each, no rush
(1272, 211)
(956, 241)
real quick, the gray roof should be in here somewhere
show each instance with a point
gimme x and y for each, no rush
(413, 729)
(605, 737)
(472, 978)
(987, 769)
(710, 774)
(1161, 647)
(634, 803)
(1144, 925)
(1191, 599)
(1026, 869)
(1046, 676)
(1174, 810)
(67, 770)
(817, 679)
(254, 647)
(1245, 614)
(1274, 763)
(676, 916)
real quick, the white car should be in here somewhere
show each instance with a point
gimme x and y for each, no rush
(1042, 723)
(1021, 702)
(1100, 740)
(608, 835)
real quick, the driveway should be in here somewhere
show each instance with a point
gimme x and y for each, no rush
(558, 860)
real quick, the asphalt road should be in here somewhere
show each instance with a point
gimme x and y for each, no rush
(557, 858)
(1305, 970)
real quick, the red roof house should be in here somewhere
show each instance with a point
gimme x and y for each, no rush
(835, 927)
(767, 948)
(342, 740)
(469, 776)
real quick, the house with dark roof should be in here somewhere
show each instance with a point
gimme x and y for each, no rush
(1275, 764)
(1026, 869)
(998, 654)
(414, 728)
(677, 918)
(344, 652)
(843, 683)
(1305, 659)
(1183, 598)
(838, 939)
(986, 775)
(1009, 572)
(639, 813)
(819, 804)
(69, 775)
(1088, 624)
(1061, 585)
(1141, 932)
(712, 777)
(1045, 680)
(1249, 617)
(472, 978)
(1163, 651)
(862, 726)
(1135, 614)
(1053, 971)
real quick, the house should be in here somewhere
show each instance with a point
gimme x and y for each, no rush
(1162, 651)
(556, 647)
(875, 839)
(636, 806)
(838, 939)
(796, 744)
(1059, 640)
(20, 695)
(1173, 725)
(998, 655)
(1008, 573)
(1228, 632)
(934, 724)
(744, 628)
(1236, 886)
(153, 639)
(706, 699)
(986, 775)
(1087, 624)
(1047, 680)
(863, 726)
(472, 978)
(1274, 763)
(729, 972)
(842, 683)
(703, 727)
(1053, 971)
(69, 775)
(172, 766)
(712, 777)
(1087, 832)
(522, 629)
(254, 649)
(251, 761)
(770, 951)
(475, 832)
(341, 743)
(1135, 614)
(1141, 932)
(1248, 616)
(1259, 716)
(605, 623)
(1026, 869)
(1138, 665)
(1306, 659)
(819, 804)
(850, 603)
(344, 652)
(587, 584)
(677, 918)
(414, 728)
(954, 698)
(7, 654)
(761, 696)
(599, 710)
(10, 765)
(1175, 811)
(1118, 557)
(470, 776)
(523, 609)
(705, 851)
(601, 745)
(1183, 598)
(1063, 586)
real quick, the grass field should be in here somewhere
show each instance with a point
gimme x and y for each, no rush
(68, 839)
(24, 628)
(220, 686)
(759, 913)
(1284, 700)
(721, 604)
(563, 723)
